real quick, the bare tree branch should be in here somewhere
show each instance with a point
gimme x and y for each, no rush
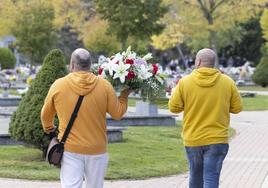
(211, 4)
(204, 9)
(223, 1)
(217, 5)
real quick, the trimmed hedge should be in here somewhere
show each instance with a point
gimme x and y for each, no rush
(260, 75)
(7, 58)
(25, 123)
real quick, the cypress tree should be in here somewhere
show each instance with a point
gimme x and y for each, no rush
(260, 75)
(7, 58)
(25, 123)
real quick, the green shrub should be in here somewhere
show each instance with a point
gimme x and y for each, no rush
(260, 75)
(25, 123)
(7, 58)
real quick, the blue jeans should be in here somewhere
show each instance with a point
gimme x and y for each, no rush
(205, 163)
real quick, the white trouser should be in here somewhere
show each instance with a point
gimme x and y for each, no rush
(74, 167)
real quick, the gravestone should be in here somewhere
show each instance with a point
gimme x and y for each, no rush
(146, 115)
(146, 109)
(9, 100)
(115, 134)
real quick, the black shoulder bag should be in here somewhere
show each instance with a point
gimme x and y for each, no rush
(56, 148)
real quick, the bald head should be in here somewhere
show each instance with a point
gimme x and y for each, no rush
(205, 58)
(80, 60)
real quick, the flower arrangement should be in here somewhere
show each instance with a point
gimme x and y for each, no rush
(128, 70)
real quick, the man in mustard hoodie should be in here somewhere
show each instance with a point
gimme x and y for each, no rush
(207, 98)
(85, 150)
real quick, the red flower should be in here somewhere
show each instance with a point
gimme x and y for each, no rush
(155, 68)
(129, 61)
(100, 71)
(117, 62)
(131, 75)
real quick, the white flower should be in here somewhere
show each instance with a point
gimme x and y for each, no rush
(144, 73)
(126, 53)
(147, 56)
(117, 58)
(132, 55)
(121, 71)
(109, 66)
(129, 54)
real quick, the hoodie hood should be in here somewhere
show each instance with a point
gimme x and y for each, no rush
(82, 83)
(206, 77)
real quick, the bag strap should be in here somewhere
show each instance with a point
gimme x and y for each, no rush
(73, 117)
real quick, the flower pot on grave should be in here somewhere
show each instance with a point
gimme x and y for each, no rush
(146, 109)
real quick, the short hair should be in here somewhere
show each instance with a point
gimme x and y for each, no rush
(207, 57)
(81, 58)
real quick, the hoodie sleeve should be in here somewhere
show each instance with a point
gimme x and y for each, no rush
(236, 102)
(176, 104)
(117, 106)
(48, 111)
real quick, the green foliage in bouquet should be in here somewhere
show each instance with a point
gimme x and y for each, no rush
(260, 75)
(25, 123)
(7, 58)
(153, 89)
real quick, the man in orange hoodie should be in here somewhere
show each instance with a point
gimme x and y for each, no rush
(85, 150)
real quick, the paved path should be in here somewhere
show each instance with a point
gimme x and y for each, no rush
(246, 165)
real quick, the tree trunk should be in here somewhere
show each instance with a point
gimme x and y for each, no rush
(213, 45)
(207, 12)
(178, 47)
(31, 63)
(123, 44)
(213, 38)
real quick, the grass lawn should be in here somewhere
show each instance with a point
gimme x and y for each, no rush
(260, 102)
(25, 163)
(145, 152)
(253, 88)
